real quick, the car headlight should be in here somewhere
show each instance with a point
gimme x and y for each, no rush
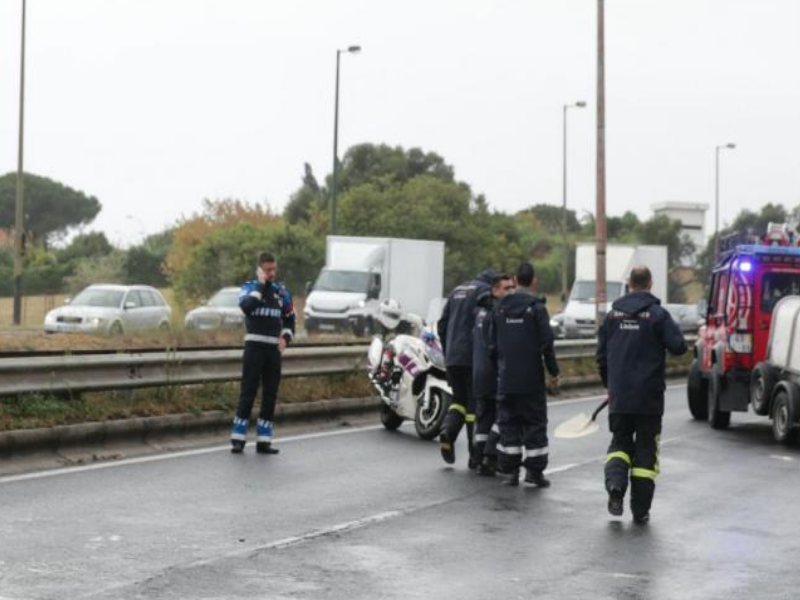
(49, 318)
(361, 304)
(233, 318)
(95, 321)
(554, 323)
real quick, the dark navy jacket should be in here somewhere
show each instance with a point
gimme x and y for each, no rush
(631, 353)
(521, 342)
(458, 319)
(484, 372)
(269, 313)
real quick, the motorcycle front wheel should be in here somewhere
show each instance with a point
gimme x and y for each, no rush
(428, 422)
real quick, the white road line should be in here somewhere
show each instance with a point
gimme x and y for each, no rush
(172, 455)
(201, 451)
(782, 457)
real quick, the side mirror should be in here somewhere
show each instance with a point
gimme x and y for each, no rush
(309, 287)
(702, 308)
(130, 305)
(374, 292)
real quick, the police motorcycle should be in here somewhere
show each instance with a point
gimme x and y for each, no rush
(407, 371)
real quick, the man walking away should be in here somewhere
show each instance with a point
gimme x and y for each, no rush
(631, 357)
(521, 342)
(270, 323)
(455, 332)
(484, 379)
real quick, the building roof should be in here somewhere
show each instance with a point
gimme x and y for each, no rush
(694, 206)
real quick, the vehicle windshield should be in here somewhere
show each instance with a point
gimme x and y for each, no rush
(225, 299)
(775, 286)
(98, 297)
(343, 281)
(584, 291)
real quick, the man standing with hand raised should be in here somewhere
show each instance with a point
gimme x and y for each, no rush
(270, 324)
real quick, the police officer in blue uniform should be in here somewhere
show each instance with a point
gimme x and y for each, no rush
(270, 326)
(484, 379)
(631, 357)
(455, 332)
(521, 343)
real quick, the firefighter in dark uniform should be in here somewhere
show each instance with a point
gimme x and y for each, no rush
(484, 379)
(631, 357)
(521, 343)
(455, 332)
(270, 325)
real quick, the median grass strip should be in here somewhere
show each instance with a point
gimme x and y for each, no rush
(35, 411)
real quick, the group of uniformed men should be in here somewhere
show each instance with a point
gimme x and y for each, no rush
(498, 343)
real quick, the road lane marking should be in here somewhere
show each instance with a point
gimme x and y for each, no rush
(201, 451)
(782, 457)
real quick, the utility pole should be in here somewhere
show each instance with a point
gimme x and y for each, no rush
(600, 216)
(19, 222)
(728, 146)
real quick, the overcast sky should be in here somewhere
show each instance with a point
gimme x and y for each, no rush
(153, 105)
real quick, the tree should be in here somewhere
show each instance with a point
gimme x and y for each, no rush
(109, 268)
(144, 264)
(85, 245)
(306, 200)
(550, 217)
(51, 208)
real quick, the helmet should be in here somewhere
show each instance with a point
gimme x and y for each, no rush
(389, 314)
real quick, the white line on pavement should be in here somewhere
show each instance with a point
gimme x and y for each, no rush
(200, 451)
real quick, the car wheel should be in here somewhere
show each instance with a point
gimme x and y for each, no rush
(785, 412)
(164, 326)
(116, 329)
(762, 384)
(697, 392)
(718, 419)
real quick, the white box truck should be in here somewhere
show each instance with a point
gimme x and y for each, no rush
(361, 272)
(578, 318)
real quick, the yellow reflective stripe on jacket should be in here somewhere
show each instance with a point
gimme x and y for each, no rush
(470, 418)
(458, 408)
(644, 473)
(612, 455)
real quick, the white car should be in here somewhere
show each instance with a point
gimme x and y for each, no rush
(221, 311)
(112, 309)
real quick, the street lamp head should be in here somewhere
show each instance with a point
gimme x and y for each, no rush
(731, 146)
(581, 104)
(354, 49)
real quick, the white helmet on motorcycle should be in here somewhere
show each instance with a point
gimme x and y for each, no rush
(389, 314)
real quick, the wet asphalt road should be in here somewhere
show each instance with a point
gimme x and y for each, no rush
(364, 513)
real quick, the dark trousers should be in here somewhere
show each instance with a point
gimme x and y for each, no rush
(487, 432)
(523, 428)
(462, 408)
(261, 366)
(634, 451)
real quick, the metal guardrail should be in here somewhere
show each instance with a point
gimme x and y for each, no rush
(73, 374)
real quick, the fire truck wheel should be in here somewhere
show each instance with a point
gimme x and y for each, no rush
(762, 384)
(697, 391)
(390, 419)
(718, 419)
(785, 412)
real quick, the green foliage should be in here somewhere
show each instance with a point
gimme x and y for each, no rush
(427, 207)
(306, 200)
(144, 264)
(109, 268)
(51, 208)
(228, 257)
(85, 245)
(550, 218)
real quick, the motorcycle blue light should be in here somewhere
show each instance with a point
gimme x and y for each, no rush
(745, 267)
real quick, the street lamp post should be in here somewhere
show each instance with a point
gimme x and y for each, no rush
(716, 194)
(349, 50)
(565, 261)
(19, 221)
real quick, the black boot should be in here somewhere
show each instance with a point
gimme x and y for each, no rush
(536, 478)
(487, 468)
(237, 446)
(266, 448)
(446, 447)
(510, 479)
(615, 503)
(641, 519)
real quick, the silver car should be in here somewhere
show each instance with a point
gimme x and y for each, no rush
(113, 309)
(221, 311)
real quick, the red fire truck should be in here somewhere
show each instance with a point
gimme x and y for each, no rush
(749, 279)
